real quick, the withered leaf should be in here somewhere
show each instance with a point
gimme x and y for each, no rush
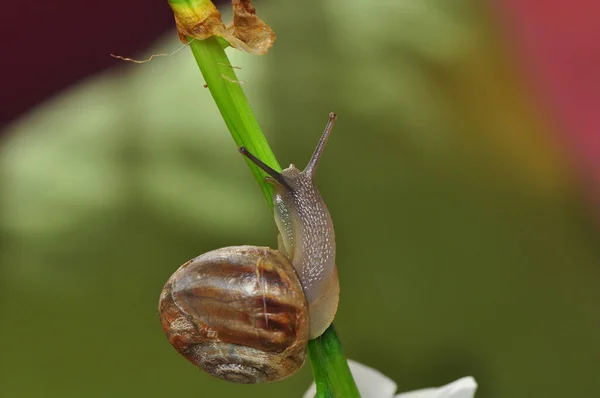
(249, 28)
(201, 20)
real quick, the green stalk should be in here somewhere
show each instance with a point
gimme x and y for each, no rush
(330, 368)
(235, 109)
(329, 365)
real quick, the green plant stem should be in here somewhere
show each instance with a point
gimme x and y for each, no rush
(234, 107)
(329, 365)
(330, 368)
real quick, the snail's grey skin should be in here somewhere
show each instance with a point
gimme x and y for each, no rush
(306, 234)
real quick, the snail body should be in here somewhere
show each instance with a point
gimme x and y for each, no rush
(245, 313)
(307, 238)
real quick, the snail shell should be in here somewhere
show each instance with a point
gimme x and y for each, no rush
(239, 313)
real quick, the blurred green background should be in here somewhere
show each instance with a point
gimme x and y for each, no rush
(465, 245)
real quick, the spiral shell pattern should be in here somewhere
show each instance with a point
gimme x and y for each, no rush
(239, 313)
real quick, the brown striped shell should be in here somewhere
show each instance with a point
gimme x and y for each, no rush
(239, 313)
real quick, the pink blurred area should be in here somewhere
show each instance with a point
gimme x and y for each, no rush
(558, 43)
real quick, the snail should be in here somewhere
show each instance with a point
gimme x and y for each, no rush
(245, 313)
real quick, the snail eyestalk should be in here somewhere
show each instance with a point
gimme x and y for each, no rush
(311, 167)
(276, 175)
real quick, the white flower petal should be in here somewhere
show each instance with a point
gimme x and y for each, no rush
(461, 388)
(374, 384)
(371, 382)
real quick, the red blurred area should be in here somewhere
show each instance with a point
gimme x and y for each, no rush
(559, 44)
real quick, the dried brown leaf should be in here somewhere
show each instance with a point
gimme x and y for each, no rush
(246, 32)
(249, 28)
